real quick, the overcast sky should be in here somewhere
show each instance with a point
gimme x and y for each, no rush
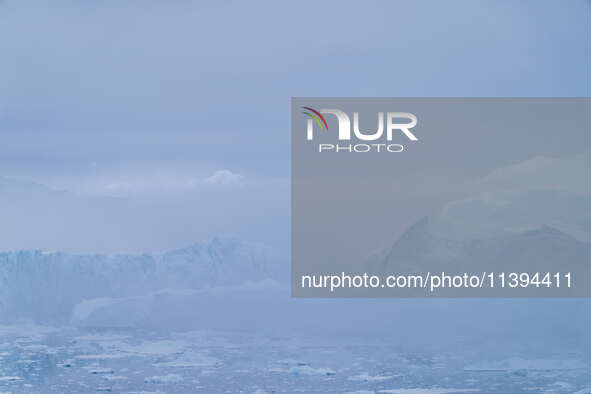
(183, 107)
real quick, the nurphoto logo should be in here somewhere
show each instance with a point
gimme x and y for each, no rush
(315, 117)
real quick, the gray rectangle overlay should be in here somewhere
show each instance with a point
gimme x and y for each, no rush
(441, 197)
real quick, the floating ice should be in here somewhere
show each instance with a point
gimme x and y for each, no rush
(365, 377)
(434, 390)
(100, 371)
(516, 364)
(170, 378)
(10, 378)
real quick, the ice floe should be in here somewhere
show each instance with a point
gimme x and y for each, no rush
(170, 378)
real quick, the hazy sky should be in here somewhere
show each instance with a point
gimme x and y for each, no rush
(181, 109)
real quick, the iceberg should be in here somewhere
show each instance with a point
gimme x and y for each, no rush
(50, 286)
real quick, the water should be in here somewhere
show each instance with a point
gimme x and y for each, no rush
(38, 359)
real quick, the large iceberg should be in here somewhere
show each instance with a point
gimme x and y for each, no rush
(47, 286)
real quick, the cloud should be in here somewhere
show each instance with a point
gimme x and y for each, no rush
(146, 182)
(152, 211)
(151, 67)
(224, 178)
